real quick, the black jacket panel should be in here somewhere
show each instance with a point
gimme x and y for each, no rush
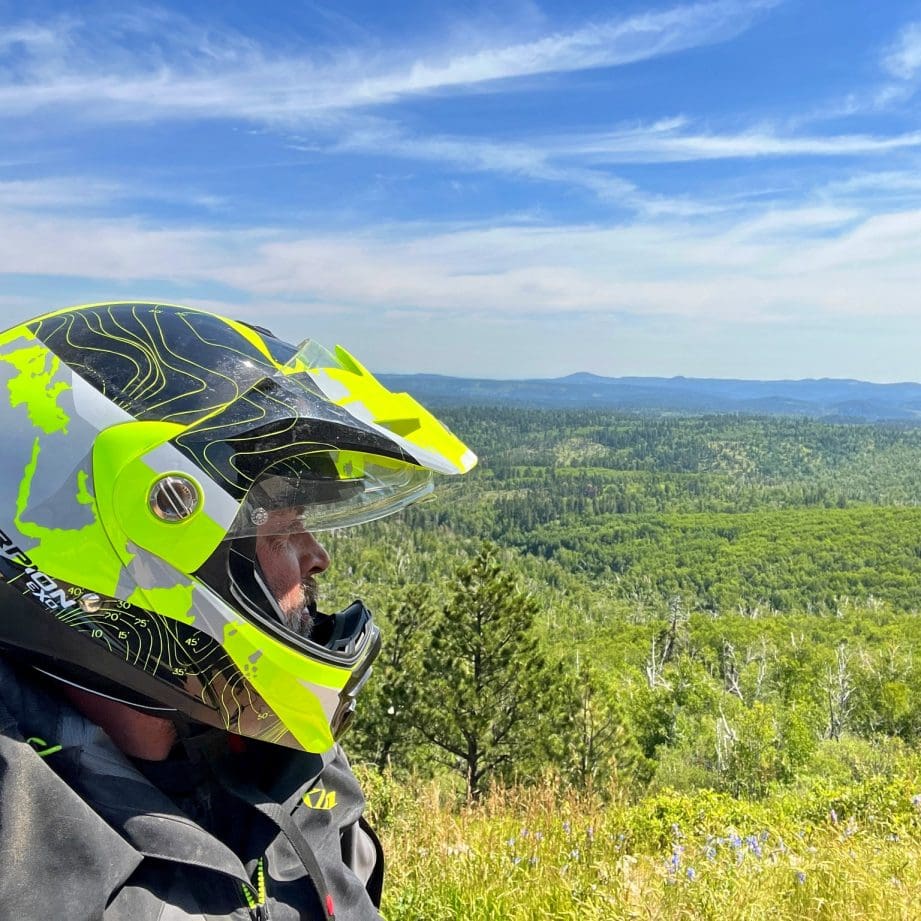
(85, 835)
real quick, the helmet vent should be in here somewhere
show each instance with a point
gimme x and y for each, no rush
(174, 498)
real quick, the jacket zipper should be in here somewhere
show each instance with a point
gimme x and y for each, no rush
(255, 894)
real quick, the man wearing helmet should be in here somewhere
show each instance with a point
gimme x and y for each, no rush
(170, 692)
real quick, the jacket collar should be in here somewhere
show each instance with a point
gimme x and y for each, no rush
(98, 772)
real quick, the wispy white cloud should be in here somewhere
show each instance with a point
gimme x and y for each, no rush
(96, 71)
(665, 142)
(57, 193)
(798, 222)
(874, 187)
(821, 261)
(470, 154)
(65, 194)
(903, 58)
(585, 161)
(605, 44)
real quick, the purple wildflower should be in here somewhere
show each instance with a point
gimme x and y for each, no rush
(674, 862)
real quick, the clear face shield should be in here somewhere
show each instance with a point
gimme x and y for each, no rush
(304, 494)
(322, 491)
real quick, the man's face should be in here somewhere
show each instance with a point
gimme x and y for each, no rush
(289, 563)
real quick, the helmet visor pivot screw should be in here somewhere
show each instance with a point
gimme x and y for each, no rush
(173, 498)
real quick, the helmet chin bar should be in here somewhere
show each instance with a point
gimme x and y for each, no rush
(343, 634)
(187, 724)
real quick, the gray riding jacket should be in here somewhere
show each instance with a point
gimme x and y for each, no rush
(86, 836)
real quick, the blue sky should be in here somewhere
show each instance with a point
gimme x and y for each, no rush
(722, 189)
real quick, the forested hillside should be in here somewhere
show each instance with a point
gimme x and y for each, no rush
(724, 513)
(655, 611)
(695, 580)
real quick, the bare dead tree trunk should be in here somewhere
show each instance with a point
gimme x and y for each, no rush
(839, 689)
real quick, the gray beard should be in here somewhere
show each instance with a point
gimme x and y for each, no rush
(302, 621)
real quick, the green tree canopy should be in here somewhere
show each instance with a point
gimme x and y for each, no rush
(491, 694)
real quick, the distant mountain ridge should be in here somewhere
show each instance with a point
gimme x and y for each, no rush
(828, 398)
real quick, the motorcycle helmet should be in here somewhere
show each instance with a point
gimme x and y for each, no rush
(146, 451)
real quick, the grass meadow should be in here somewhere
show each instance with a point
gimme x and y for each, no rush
(543, 853)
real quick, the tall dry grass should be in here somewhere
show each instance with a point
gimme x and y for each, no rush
(542, 852)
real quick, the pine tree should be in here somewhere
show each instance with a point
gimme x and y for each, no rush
(598, 746)
(385, 733)
(487, 686)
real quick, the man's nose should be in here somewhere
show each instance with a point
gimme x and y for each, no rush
(311, 554)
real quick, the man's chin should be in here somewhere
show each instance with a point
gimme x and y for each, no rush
(301, 614)
(302, 621)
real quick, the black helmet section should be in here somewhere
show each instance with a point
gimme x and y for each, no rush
(162, 363)
(279, 417)
(124, 652)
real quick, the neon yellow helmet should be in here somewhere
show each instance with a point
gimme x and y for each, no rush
(146, 450)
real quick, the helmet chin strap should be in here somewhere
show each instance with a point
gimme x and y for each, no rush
(187, 730)
(247, 581)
